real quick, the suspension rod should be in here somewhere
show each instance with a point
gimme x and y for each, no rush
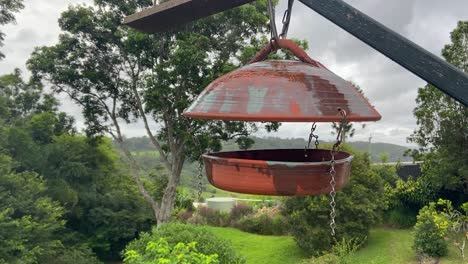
(414, 58)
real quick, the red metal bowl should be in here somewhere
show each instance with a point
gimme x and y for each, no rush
(285, 172)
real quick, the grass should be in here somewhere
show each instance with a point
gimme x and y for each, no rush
(385, 246)
(259, 249)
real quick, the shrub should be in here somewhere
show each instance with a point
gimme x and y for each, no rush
(401, 217)
(240, 210)
(264, 224)
(213, 217)
(430, 230)
(207, 242)
(161, 253)
(358, 207)
(184, 215)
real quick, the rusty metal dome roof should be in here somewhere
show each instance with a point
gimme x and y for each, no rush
(282, 91)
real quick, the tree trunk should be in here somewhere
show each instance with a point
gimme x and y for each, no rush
(134, 171)
(168, 199)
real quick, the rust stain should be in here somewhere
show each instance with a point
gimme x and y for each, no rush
(283, 91)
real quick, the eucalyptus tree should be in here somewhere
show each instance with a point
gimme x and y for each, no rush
(8, 8)
(120, 75)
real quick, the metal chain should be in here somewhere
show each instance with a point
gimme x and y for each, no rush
(271, 14)
(287, 19)
(312, 136)
(333, 152)
(200, 178)
(200, 162)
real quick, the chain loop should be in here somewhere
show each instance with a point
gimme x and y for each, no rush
(333, 152)
(312, 136)
(200, 161)
(200, 178)
(287, 19)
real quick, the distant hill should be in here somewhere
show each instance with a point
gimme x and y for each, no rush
(395, 152)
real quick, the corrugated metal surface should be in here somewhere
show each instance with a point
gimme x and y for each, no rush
(283, 91)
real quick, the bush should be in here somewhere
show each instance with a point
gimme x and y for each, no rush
(240, 210)
(207, 242)
(358, 207)
(211, 217)
(430, 230)
(161, 253)
(75, 255)
(264, 224)
(184, 215)
(401, 217)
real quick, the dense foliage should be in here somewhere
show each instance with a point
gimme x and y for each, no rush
(442, 132)
(358, 207)
(88, 195)
(161, 253)
(207, 243)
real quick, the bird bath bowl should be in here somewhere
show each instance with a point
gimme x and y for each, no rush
(287, 172)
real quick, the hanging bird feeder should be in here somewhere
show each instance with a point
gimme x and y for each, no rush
(281, 91)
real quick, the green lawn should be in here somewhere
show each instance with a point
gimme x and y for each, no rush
(385, 246)
(261, 249)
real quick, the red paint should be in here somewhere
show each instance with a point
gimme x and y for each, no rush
(276, 172)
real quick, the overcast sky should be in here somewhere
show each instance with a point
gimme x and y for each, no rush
(389, 87)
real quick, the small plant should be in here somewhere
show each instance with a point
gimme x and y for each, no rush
(340, 254)
(458, 230)
(160, 252)
(430, 230)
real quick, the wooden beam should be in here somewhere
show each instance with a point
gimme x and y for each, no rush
(414, 58)
(174, 13)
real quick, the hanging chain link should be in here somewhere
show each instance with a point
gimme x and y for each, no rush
(200, 178)
(333, 152)
(200, 161)
(287, 19)
(312, 136)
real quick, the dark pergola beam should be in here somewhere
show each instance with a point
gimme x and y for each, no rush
(414, 58)
(174, 13)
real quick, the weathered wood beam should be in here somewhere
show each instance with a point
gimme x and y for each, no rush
(414, 58)
(174, 13)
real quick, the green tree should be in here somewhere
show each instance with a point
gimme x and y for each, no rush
(120, 75)
(102, 207)
(29, 220)
(19, 99)
(8, 8)
(442, 132)
(358, 207)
